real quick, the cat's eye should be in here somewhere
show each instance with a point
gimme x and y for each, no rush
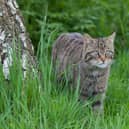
(109, 54)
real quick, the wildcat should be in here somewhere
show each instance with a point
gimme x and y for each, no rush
(87, 58)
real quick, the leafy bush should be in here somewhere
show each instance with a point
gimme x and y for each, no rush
(99, 18)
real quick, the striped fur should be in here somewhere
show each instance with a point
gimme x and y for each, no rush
(88, 58)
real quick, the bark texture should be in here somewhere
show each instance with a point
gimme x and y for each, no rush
(13, 36)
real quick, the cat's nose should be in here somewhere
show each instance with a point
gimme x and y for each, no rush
(102, 58)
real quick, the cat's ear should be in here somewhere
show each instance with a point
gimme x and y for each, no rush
(87, 36)
(111, 38)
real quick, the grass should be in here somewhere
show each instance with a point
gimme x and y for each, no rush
(43, 104)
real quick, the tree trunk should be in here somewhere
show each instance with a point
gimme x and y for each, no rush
(13, 35)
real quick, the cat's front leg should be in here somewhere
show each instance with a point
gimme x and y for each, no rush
(98, 102)
(99, 92)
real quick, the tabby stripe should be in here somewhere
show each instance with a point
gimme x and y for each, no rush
(67, 49)
(68, 42)
(60, 38)
(84, 94)
(89, 53)
(88, 59)
(66, 53)
(70, 46)
(74, 49)
(97, 103)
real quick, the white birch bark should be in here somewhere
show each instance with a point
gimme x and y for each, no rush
(13, 36)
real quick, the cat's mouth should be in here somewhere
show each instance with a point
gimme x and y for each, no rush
(102, 65)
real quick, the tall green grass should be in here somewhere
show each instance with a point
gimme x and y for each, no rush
(41, 103)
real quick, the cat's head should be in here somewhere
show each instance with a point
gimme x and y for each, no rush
(99, 51)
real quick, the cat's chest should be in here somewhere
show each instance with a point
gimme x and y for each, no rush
(93, 75)
(90, 79)
(89, 73)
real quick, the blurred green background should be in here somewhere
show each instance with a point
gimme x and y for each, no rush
(96, 17)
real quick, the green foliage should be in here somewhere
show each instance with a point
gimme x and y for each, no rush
(96, 17)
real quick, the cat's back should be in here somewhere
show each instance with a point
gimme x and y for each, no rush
(66, 42)
(66, 39)
(67, 49)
